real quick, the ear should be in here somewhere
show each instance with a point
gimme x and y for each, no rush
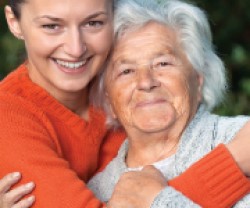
(13, 23)
(109, 106)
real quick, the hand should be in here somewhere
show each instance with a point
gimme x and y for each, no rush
(137, 189)
(13, 198)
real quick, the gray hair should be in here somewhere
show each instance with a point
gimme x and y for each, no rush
(192, 28)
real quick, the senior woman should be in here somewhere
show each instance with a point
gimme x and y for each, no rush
(161, 83)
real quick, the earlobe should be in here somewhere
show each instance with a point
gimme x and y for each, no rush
(13, 23)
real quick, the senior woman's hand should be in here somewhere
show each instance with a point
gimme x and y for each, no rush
(130, 191)
(12, 198)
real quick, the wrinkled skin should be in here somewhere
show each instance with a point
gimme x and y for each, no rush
(153, 91)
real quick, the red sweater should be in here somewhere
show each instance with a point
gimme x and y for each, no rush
(60, 151)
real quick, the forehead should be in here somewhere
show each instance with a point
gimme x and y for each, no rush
(65, 7)
(149, 40)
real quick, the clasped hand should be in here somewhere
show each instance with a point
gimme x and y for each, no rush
(138, 189)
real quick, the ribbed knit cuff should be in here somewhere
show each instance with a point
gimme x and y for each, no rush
(213, 181)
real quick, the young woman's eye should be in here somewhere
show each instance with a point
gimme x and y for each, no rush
(50, 26)
(95, 23)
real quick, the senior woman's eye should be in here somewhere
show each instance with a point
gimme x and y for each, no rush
(125, 70)
(162, 62)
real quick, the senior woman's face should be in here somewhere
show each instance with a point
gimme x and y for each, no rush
(150, 83)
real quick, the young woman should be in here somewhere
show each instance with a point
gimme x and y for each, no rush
(49, 131)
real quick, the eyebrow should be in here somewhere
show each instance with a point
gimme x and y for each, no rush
(96, 15)
(129, 61)
(122, 61)
(57, 19)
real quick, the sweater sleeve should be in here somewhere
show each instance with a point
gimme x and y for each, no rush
(27, 146)
(213, 181)
(170, 198)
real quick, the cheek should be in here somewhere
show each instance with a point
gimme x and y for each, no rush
(188, 94)
(102, 42)
(120, 100)
(174, 85)
(39, 45)
(177, 88)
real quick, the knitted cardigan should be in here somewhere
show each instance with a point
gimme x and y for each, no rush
(204, 133)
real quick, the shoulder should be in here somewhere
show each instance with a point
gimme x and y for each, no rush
(228, 127)
(15, 89)
(23, 119)
(14, 80)
(234, 121)
(16, 106)
(220, 129)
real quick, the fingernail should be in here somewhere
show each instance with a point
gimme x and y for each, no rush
(30, 199)
(29, 185)
(15, 175)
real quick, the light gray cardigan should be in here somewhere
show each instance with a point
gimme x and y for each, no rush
(202, 135)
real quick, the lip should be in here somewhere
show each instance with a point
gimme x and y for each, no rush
(149, 103)
(73, 71)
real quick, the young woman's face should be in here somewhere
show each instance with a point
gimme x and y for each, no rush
(67, 41)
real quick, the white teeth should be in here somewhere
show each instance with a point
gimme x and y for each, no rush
(70, 65)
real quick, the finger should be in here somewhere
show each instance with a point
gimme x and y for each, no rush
(9, 180)
(25, 203)
(149, 168)
(14, 195)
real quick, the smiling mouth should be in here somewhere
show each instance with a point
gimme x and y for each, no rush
(70, 65)
(150, 103)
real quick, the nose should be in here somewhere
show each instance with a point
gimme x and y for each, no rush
(74, 44)
(146, 79)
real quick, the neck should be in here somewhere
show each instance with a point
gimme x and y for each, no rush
(76, 102)
(146, 148)
(150, 148)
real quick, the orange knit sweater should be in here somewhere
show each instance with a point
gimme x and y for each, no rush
(49, 144)
(60, 151)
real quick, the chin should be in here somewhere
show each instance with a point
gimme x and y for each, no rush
(73, 87)
(160, 123)
(151, 128)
